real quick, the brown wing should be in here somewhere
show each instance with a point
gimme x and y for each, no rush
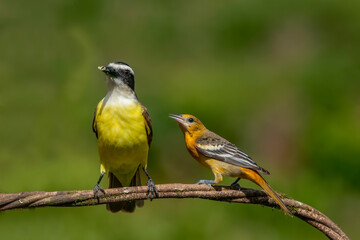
(94, 124)
(148, 124)
(213, 146)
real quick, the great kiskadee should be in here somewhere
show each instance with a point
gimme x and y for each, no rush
(123, 128)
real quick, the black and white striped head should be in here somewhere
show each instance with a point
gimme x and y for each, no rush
(119, 73)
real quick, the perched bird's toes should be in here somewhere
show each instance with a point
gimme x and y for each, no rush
(236, 185)
(200, 182)
(152, 189)
(207, 182)
(97, 188)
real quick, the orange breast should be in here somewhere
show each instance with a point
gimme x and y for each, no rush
(191, 146)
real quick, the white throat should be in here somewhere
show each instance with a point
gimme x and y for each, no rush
(119, 93)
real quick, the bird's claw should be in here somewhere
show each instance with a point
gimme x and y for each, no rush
(236, 185)
(152, 189)
(97, 188)
(206, 182)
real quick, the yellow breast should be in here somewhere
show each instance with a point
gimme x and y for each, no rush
(121, 126)
(122, 139)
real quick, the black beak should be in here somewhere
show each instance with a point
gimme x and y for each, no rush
(104, 69)
(108, 70)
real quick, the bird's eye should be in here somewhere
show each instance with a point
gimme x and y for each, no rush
(127, 72)
(190, 120)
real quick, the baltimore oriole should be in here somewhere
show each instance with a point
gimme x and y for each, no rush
(221, 156)
(124, 131)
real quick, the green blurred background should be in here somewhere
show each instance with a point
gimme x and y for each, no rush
(279, 79)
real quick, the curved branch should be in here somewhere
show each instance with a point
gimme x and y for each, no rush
(9, 201)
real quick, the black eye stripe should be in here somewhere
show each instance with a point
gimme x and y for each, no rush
(113, 72)
(125, 72)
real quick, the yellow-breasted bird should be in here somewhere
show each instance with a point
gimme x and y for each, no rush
(123, 128)
(221, 156)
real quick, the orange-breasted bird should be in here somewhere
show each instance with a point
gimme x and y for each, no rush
(221, 156)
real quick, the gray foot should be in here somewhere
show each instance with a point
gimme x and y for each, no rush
(151, 186)
(207, 182)
(97, 188)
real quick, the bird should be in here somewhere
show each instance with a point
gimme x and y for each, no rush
(123, 129)
(222, 157)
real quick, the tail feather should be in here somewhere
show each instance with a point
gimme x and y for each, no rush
(128, 206)
(259, 180)
(264, 171)
(136, 181)
(114, 183)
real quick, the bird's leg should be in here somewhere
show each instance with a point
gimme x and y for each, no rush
(151, 186)
(218, 178)
(235, 184)
(97, 187)
(207, 182)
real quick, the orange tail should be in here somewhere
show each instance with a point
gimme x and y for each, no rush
(257, 178)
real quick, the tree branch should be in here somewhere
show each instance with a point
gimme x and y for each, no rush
(9, 201)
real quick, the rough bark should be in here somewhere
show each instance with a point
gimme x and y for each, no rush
(35, 199)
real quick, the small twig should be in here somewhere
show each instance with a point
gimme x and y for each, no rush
(9, 201)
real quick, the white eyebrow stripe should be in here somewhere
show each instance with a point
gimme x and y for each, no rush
(122, 67)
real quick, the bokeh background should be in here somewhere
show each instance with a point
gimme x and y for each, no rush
(279, 79)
